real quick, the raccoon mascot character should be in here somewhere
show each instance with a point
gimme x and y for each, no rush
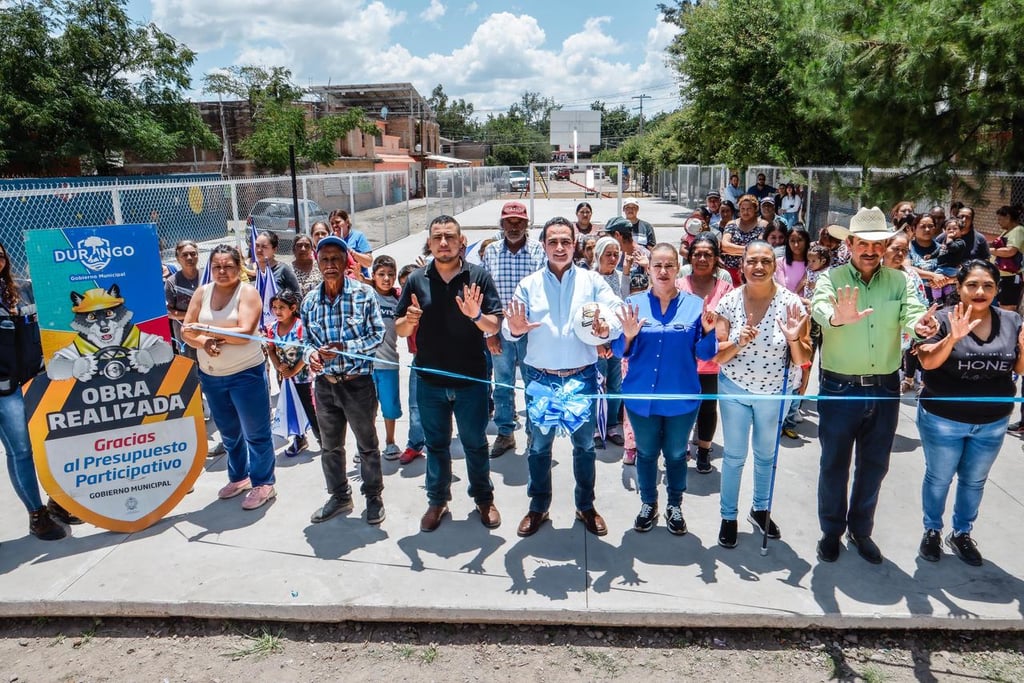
(107, 341)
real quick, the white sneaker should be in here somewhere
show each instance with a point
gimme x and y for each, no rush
(392, 452)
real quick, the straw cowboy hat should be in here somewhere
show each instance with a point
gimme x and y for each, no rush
(866, 224)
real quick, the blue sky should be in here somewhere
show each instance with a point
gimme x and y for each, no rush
(486, 52)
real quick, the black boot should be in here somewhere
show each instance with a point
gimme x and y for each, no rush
(60, 514)
(42, 526)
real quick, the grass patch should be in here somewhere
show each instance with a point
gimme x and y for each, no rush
(430, 654)
(262, 645)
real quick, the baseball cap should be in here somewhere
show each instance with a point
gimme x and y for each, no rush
(332, 241)
(768, 200)
(632, 202)
(714, 194)
(513, 210)
(619, 225)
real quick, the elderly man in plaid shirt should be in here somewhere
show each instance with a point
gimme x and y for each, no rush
(509, 260)
(342, 315)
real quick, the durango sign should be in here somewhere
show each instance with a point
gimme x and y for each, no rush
(116, 421)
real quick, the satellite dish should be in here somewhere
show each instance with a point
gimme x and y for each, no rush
(384, 112)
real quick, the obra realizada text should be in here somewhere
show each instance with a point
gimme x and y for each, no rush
(113, 403)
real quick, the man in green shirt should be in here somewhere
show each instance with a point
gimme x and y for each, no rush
(862, 308)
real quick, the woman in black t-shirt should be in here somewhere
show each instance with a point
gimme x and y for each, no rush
(974, 354)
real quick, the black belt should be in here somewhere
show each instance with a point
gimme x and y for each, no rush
(336, 379)
(563, 373)
(859, 380)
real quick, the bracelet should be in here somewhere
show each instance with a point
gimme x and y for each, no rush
(479, 315)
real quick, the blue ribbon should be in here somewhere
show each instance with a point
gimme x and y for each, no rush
(643, 397)
(560, 407)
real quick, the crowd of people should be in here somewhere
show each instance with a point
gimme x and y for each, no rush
(737, 310)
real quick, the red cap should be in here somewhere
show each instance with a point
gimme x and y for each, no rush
(513, 210)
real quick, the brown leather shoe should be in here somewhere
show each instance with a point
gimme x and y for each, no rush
(489, 515)
(593, 521)
(431, 519)
(531, 523)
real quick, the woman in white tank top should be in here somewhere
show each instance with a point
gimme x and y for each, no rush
(233, 375)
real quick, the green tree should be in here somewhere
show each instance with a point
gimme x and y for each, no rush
(78, 78)
(279, 122)
(534, 111)
(731, 55)
(513, 143)
(454, 117)
(616, 124)
(929, 86)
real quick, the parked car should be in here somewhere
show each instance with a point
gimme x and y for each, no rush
(276, 214)
(518, 181)
(560, 173)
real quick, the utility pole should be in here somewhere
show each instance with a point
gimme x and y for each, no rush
(641, 98)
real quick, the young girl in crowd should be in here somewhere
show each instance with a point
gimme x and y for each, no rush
(287, 359)
(416, 440)
(385, 372)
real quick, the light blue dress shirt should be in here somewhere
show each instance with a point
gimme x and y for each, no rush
(552, 303)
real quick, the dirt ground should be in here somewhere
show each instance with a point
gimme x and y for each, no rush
(195, 650)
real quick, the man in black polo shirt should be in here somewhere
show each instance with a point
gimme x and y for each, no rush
(449, 305)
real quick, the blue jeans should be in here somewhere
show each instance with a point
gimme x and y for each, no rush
(416, 438)
(659, 434)
(240, 404)
(868, 424)
(583, 457)
(966, 450)
(611, 368)
(740, 415)
(512, 356)
(14, 434)
(469, 406)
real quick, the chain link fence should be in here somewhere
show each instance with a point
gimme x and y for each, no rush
(204, 207)
(831, 195)
(454, 190)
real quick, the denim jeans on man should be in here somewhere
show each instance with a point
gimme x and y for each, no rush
(240, 404)
(512, 356)
(14, 434)
(866, 423)
(658, 434)
(469, 406)
(539, 459)
(416, 438)
(338, 405)
(742, 415)
(960, 448)
(611, 370)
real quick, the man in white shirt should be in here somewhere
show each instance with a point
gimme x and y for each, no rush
(543, 307)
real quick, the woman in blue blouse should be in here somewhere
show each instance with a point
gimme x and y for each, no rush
(664, 331)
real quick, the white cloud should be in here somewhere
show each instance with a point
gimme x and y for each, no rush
(353, 41)
(471, 8)
(434, 12)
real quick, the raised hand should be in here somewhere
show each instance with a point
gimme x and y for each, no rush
(927, 325)
(518, 323)
(414, 312)
(747, 334)
(470, 301)
(796, 318)
(844, 305)
(708, 319)
(960, 323)
(629, 316)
